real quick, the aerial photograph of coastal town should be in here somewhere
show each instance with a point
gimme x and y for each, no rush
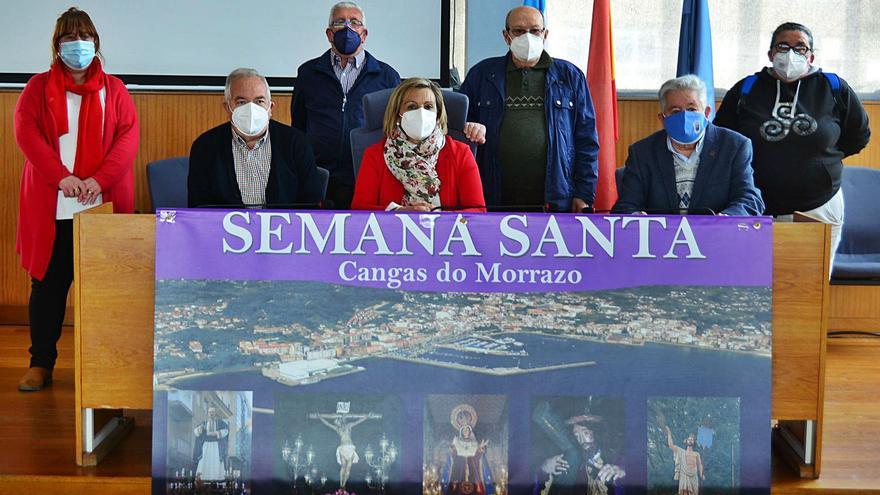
(290, 333)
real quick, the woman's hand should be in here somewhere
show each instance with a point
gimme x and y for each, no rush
(420, 206)
(476, 132)
(90, 191)
(71, 186)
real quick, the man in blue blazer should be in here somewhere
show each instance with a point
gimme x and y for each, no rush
(327, 100)
(691, 166)
(251, 160)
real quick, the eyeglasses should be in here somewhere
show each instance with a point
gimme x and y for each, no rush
(341, 23)
(799, 49)
(519, 32)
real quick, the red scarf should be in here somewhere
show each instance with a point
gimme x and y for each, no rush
(89, 141)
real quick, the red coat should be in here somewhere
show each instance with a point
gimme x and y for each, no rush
(37, 137)
(460, 184)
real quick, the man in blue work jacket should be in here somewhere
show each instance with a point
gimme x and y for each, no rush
(327, 98)
(541, 146)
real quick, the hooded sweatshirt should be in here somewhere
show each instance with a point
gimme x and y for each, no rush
(797, 153)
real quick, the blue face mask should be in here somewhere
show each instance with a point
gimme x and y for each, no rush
(346, 40)
(685, 127)
(77, 54)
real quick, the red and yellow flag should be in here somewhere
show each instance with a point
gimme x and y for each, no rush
(600, 79)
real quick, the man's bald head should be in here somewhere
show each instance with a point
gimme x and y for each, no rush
(523, 15)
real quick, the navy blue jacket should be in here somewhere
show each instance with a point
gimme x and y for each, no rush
(724, 180)
(572, 146)
(292, 175)
(320, 109)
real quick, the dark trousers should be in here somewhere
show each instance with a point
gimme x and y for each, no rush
(49, 298)
(339, 194)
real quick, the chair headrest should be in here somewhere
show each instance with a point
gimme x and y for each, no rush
(375, 103)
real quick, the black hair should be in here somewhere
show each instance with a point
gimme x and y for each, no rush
(791, 26)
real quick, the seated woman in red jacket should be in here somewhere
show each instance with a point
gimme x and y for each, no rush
(78, 131)
(417, 167)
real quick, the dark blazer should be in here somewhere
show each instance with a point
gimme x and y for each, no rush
(292, 175)
(724, 180)
(319, 109)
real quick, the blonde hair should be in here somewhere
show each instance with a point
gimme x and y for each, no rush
(396, 100)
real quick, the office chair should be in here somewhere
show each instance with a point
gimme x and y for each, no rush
(858, 255)
(374, 113)
(166, 180)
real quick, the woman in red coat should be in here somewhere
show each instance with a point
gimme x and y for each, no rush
(78, 131)
(417, 167)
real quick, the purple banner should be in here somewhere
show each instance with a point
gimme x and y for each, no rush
(449, 252)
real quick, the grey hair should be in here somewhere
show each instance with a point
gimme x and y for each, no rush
(346, 5)
(241, 73)
(688, 82)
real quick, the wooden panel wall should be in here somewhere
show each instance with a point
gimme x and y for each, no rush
(171, 121)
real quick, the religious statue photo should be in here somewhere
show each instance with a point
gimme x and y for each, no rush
(693, 445)
(209, 441)
(211, 446)
(342, 423)
(471, 456)
(466, 470)
(329, 442)
(688, 464)
(577, 445)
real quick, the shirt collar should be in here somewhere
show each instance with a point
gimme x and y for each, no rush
(241, 142)
(543, 62)
(357, 60)
(694, 156)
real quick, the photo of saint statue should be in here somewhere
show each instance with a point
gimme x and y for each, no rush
(465, 445)
(688, 464)
(466, 470)
(577, 445)
(211, 444)
(209, 441)
(342, 424)
(338, 441)
(693, 445)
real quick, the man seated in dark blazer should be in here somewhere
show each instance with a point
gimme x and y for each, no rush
(251, 160)
(691, 166)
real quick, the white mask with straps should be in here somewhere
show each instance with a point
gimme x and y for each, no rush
(418, 124)
(250, 119)
(790, 65)
(527, 47)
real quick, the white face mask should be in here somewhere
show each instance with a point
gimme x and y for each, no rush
(250, 119)
(527, 47)
(790, 66)
(418, 124)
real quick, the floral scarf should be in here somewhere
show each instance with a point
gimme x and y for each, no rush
(415, 166)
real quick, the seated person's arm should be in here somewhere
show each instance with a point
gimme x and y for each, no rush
(745, 198)
(368, 182)
(470, 187)
(198, 185)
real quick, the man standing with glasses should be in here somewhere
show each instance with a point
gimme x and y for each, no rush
(327, 98)
(541, 146)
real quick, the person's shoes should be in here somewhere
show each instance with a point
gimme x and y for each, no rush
(35, 379)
